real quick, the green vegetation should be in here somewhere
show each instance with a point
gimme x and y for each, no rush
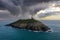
(30, 24)
(27, 21)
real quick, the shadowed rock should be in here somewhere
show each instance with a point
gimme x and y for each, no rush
(29, 24)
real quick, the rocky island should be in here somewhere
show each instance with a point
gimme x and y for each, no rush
(30, 24)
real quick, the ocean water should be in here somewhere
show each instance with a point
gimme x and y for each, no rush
(9, 33)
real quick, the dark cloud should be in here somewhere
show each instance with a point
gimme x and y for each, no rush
(23, 6)
(4, 14)
(8, 4)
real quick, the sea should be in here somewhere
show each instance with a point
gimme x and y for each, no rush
(9, 33)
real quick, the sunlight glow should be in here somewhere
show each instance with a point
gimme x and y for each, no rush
(52, 8)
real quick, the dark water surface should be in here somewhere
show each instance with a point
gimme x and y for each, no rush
(9, 33)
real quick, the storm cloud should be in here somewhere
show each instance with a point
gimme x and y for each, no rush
(23, 7)
(4, 15)
(9, 5)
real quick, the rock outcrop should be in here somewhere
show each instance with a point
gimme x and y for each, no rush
(29, 24)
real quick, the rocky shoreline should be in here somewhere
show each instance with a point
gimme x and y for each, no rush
(30, 24)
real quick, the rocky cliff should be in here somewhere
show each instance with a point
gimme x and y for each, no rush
(30, 24)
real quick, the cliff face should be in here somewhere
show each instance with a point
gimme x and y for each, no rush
(29, 24)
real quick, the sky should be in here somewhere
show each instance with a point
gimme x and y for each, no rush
(23, 9)
(52, 12)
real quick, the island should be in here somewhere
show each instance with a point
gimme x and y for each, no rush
(30, 24)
